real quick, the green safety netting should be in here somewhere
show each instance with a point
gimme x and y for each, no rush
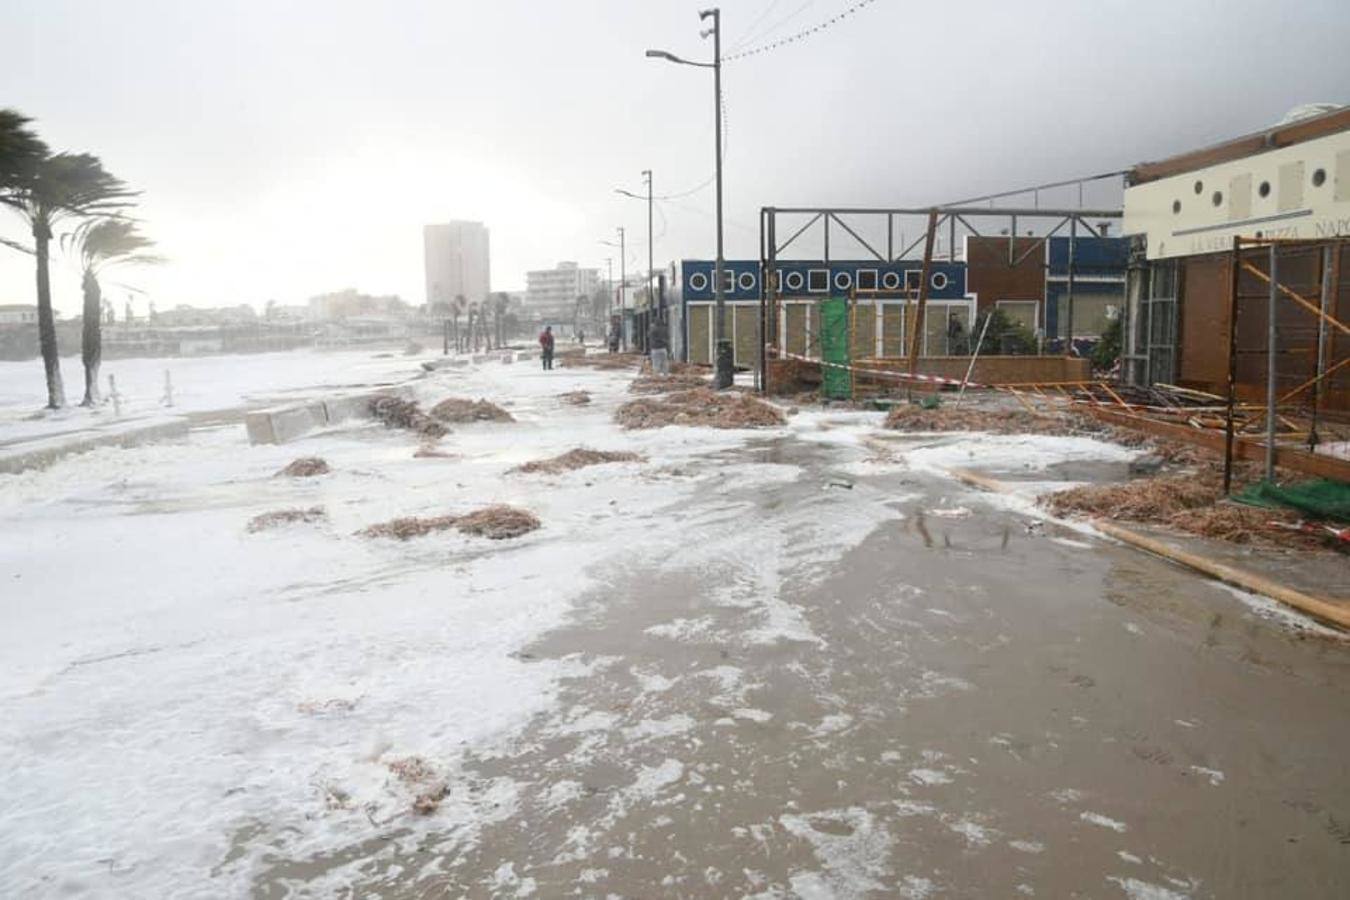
(1321, 499)
(836, 381)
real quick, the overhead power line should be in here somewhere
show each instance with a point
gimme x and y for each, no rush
(750, 33)
(800, 35)
(772, 29)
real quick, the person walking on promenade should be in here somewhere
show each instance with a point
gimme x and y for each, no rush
(546, 345)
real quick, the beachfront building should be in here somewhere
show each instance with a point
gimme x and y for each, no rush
(457, 261)
(551, 294)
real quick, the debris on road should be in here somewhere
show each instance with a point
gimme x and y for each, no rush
(1192, 502)
(676, 368)
(407, 527)
(459, 409)
(1140, 500)
(410, 769)
(281, 517)
(576, 398)
(429, 801)
(994, 421)
(1235, 523)
(305, 467)
(498, 522)
(429, 452)
(494, 522)
(665, 384)
(395, 412)
(578, 458)
(701, 406)
(599, 360)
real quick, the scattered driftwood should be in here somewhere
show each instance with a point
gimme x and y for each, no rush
(1191, 502)
(411, 769)
(395, 412)
(427, 802)
(1239, 524)
(407, 527)
(498, 522)
(576, 398)
(600, 360)
(665, 384)
(459, 409)
(1001, 421)
(676, 367)
(578, 458)
(1141, 500)
(306, 467)
(281, 517)
(699, 407)
(495, 522)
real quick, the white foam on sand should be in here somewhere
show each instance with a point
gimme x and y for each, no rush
(179, 696)
(1101, 820)
(852, 848)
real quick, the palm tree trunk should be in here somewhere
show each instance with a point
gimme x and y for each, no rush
(51, 359)
(91, 344)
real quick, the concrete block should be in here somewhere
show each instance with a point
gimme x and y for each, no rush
(337, 409)
(283, 424)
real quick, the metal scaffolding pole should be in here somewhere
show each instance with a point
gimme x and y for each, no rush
(1272, 334)
(1329, 284)
(1233, 273)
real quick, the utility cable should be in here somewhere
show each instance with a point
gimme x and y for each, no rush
(800, 35)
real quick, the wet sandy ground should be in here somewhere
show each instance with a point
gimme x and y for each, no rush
(843, 692)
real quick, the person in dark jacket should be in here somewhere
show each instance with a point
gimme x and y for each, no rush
(546, 345)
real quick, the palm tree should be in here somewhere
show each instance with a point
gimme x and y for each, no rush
(460, 305)
(45, 192)
(20, 148)
(502, 304)
(100, 244)
(472, 340)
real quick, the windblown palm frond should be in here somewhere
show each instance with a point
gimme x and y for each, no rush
(52, 188)
(102, 243)
(19, 146)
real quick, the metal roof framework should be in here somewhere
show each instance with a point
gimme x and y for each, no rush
(1051, 221)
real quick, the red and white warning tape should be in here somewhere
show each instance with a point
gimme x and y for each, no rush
(882, 373)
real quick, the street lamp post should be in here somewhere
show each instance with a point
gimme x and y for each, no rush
(623, 281)
(623, 288)
(722, 375)
(651, 289)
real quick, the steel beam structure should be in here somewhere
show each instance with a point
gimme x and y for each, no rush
(962, 214)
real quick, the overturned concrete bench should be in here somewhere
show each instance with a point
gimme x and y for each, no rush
(283, 424)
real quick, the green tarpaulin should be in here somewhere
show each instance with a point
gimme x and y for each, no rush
(835, 382)
(1321, 499)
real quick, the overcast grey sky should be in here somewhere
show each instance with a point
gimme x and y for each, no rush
(288, 148)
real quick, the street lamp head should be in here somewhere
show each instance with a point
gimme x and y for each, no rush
(705, 13)
(662, 54)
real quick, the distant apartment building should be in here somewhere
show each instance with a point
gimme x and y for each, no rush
(350, 303)
(17, 314)
(457, 261)
(551, 294)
